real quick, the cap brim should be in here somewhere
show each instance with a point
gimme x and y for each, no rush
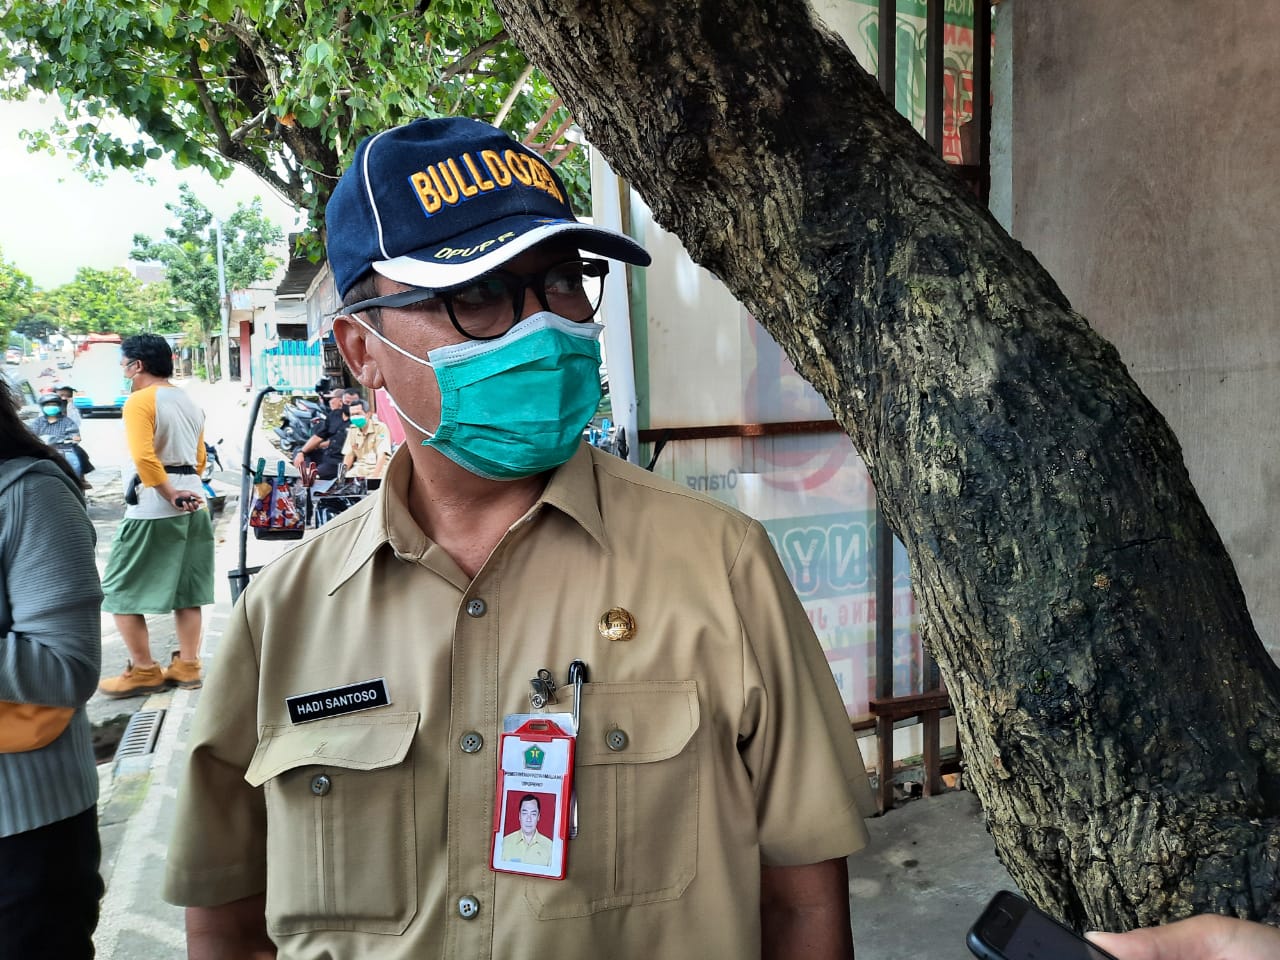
(423, 268)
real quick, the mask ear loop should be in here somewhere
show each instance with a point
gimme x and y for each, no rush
(401, 350)
(394, 346)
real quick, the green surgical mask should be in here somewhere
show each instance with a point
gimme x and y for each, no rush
(51, 409)
(359, 421)
(514, 406)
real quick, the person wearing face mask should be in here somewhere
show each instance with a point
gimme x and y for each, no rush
(54, 427)
(161, 559)
(367, 445)
(348, 766)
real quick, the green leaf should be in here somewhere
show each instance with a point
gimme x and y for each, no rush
(221, 10)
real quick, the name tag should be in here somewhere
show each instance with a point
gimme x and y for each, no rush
(336, 701)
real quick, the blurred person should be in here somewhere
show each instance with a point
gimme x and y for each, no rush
(162, 556)
(68, 393)
(50, 658)
(324, 447)
(57, 429)
(1206, 937)
(368, 445)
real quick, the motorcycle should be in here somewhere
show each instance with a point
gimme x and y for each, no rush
(215, 500)
(300, 420)
(609, 437)
(73, 454)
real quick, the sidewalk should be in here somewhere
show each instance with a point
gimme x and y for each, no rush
(138, 798)
(927, 874)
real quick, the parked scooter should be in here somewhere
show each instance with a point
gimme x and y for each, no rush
(211, 459)
(301, 418)
(215, 500)
(609, 437)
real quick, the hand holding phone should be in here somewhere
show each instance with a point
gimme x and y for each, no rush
(1010, 928)
(1198, 938)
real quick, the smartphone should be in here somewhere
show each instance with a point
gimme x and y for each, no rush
(1010, 928)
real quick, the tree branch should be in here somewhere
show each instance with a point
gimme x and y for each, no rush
(249, 125)
(210, 108)
(466, 62)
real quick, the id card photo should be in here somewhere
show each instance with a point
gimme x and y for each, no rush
(529, 836)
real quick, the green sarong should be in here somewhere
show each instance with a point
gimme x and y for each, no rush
(158, 566)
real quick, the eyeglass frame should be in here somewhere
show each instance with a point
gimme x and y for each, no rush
(536, 281)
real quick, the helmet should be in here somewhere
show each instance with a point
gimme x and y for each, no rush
(48, 397)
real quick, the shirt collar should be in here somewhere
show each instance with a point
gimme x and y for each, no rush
(572, 490)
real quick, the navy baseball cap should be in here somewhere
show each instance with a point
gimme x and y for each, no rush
(438, 202)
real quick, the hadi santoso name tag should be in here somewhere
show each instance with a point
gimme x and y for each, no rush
(531, 815)
(336, 701)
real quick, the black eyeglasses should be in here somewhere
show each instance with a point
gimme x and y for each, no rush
(489, 306)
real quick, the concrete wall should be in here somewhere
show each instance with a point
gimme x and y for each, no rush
(1145, 175)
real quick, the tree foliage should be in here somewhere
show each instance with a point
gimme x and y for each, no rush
(189, 252)
(285, 88)
(37, 326)
(112, 301)
(16, 291)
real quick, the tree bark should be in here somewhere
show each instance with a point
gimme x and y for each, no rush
(1119, 716)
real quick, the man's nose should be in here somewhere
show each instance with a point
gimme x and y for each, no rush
(530, 305)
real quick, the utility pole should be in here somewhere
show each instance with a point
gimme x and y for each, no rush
(224, 339)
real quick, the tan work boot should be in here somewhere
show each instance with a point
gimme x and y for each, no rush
(134, 682)
(183, 673)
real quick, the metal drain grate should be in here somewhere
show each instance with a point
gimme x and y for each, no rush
(140, 735)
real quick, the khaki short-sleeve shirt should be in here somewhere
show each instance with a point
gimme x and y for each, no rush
(371, 831)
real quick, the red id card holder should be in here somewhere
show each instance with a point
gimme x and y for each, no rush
(531, 811)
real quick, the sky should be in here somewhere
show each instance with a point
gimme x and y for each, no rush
(54, 221)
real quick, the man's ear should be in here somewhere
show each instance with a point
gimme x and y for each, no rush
(353, 341)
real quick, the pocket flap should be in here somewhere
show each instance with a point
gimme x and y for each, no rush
(354, 742)
(658, 719)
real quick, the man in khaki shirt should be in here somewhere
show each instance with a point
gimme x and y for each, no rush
(527, 845)
(367, 445)
(344, 763)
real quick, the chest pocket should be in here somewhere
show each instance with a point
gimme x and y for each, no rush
(636, 775)
(340, 825)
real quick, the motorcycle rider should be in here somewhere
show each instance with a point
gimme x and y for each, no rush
(56, 428)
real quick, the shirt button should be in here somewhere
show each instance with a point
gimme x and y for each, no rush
(616, 740)
(468, 907)
(471, 742)
(321, 784)
(475, 608)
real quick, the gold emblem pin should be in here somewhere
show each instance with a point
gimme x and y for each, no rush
(617, 624)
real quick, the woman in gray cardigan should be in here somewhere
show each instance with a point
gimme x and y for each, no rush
(50, 655)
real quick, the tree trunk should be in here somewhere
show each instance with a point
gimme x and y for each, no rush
(1118, 713)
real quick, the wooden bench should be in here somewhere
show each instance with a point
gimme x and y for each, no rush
(886, 711)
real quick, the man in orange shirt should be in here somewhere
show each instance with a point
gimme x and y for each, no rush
(162, 556)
